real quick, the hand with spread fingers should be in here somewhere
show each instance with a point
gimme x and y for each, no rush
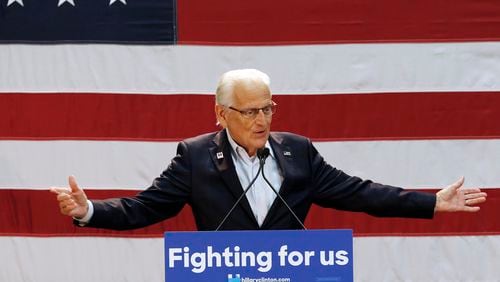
(72, 200)
(454, 198)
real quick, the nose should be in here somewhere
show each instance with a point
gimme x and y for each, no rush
(261, 117)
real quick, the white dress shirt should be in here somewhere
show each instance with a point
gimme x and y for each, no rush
(260, 196)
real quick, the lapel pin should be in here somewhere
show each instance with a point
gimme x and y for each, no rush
(220, 155)
(287, 153)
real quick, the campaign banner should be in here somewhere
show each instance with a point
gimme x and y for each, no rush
(259, 256)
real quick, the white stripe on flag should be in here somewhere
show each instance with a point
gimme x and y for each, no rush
(301, 69)
(133, 165)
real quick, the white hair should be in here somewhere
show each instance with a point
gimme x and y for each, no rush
(223, 94)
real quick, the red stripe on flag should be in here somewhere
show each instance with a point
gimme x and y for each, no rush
(36, 213)
(392, 116)
(319, 21)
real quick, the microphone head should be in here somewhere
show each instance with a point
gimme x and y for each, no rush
(263, 153)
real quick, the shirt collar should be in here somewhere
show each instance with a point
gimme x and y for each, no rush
(237, 149)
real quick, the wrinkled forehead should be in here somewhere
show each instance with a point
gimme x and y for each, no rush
(253, 93)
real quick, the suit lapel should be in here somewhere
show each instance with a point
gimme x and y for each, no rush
(221, 156)
(282, 153)
(284, 156)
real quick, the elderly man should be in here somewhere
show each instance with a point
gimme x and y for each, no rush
(212, 171)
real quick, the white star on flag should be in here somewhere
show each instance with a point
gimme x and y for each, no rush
(72, 2)
(111, 2)
(10, 2)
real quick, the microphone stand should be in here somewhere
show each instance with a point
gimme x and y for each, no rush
(261, 166)
(262, 154)
(279, 196)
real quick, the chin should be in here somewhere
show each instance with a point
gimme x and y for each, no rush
(260, 141)
(261, 144)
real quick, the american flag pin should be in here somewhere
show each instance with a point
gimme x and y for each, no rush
(220, 155)
(287, 153)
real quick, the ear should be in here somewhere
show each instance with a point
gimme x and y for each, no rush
(220, 113)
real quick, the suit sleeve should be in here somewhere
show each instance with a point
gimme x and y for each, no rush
(336, 189)
(165, 198)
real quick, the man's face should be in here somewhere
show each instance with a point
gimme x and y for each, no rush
(250, 133)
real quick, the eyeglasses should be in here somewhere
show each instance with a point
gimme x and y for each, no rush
(268, 110)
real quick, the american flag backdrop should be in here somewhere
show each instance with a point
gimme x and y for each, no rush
(405, 93)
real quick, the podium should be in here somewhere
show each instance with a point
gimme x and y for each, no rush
(259, 256)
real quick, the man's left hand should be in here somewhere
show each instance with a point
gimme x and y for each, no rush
(455, 198)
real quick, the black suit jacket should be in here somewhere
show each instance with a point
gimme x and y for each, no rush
(210, 185)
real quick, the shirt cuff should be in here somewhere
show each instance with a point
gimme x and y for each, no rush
(84, 220)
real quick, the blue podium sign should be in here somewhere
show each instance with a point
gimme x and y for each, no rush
(259, 256)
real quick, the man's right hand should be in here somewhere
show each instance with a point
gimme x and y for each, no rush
(72, 200)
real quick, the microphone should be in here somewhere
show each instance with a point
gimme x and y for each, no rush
(262, 154)
(262, 157)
